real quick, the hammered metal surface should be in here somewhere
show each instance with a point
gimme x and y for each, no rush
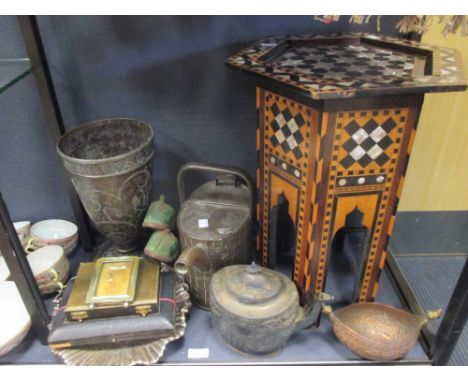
(376, 331)
(109, 163)
(254, 308)
(106, 147)
(232, 249)
(251, 336)
(217, 217)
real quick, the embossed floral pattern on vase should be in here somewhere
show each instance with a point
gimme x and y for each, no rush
(109, 162)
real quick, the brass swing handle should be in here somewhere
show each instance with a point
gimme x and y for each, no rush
(211, 168)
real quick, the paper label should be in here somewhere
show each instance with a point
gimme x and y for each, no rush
(202, 223)
(198, 353)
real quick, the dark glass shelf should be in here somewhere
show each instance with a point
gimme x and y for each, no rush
(12, 71)
(308, 347)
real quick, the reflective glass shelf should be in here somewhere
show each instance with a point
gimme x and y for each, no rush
(12, 71)
(309, 347)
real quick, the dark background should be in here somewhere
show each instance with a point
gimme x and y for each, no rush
(168, 71)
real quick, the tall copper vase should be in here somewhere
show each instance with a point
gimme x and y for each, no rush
(109, 162)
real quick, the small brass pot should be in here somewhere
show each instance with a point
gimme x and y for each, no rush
(377, 332)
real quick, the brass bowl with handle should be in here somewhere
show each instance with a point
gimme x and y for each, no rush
(376, 331)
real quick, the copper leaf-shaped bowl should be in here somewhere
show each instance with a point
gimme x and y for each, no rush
(376, 331)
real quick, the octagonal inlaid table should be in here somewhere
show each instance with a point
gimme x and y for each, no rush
(337, 117)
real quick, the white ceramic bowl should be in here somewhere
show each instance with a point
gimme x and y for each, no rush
(55, 232)
(19, 226)
(4, 271)
(69, 246)
(15, 318)
(22, 229)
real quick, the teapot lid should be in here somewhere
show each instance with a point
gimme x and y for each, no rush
(253, 291)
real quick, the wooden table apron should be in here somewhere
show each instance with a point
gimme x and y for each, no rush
(321, 180)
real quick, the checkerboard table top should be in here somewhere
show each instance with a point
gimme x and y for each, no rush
(342, 66)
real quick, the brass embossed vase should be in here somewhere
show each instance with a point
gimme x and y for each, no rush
(109, 162)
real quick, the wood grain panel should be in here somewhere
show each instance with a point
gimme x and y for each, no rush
(367, 204)
(280, 186)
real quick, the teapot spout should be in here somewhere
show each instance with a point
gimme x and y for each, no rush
(309, 314)
(196, 257)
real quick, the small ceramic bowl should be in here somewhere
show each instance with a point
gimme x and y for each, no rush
(50, 268)
(53, 286)
(53, 232)
(22, 229)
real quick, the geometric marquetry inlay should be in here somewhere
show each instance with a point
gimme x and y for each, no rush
(337, 120)
(340, 63)
(287, 130)
(369, 140)
(285, 142)
(367, 143)
(366, 147)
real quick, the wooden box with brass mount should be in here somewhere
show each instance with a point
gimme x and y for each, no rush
(114, 286)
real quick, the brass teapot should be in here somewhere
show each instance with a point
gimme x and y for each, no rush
(256, 310)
